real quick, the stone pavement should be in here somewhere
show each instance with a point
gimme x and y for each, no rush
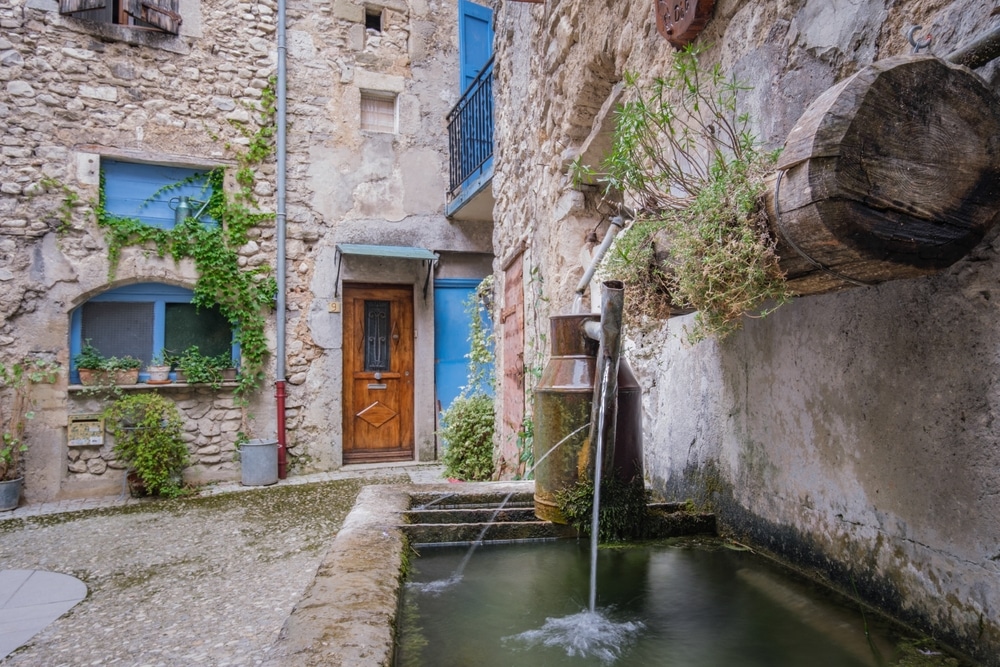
(203, 582)
(419, 473)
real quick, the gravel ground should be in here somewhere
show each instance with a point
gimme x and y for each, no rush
(199, 581)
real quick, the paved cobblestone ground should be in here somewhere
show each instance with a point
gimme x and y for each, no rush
(197, 581)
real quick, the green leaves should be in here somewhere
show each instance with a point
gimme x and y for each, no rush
(468, 435)
(694, 172)
(16, 381)
(148, 433)
(242, 294)
(467, 424)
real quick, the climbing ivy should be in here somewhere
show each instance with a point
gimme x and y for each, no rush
(241, 293)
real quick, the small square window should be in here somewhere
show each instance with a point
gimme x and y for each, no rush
(378, 112)
(373, 19)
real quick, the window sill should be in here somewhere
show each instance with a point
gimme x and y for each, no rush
(144, 386)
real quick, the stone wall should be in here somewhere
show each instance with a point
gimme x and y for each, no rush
(74, 91)
(850, 433)
(211, 419)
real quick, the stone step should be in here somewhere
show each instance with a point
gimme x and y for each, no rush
(493, 532)
(480, 515)
(438, 500)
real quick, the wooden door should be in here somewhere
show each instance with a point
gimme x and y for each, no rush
(378, 373)
(512, 384)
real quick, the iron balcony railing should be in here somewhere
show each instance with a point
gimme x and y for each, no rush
(470, 131)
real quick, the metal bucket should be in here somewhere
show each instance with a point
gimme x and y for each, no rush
(259, 462)
(10, 494)
(563, 400)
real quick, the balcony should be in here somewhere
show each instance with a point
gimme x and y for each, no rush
(470, 150)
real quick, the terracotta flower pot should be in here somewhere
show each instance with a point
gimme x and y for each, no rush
(158, 375)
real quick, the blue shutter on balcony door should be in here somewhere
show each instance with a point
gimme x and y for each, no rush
(475, 39)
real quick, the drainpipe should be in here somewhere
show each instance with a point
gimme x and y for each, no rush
(616, 226)
(604, 413)
(280, 150)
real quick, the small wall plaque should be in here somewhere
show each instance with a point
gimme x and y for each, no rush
(680, 21)
(85, 430)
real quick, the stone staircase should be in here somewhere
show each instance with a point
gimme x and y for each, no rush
(464, 518)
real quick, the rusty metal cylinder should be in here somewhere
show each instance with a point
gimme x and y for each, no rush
(562, 409)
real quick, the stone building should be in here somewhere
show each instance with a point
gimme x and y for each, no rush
(853, 433)
(101, 109)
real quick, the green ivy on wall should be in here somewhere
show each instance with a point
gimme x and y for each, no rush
(242, 294)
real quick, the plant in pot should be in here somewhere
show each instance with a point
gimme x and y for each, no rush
(148, 432)
(89, 364)
(159, 369)
(123, 370)
(96, 369)
(200, 368)
(16, 382)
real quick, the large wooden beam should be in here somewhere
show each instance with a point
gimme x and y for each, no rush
(893, 173)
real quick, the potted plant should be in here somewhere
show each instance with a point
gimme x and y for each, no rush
(148, 432)
(96, 369)
(16, 382)
(123, 370)
(199, 368)
(89, 364)
(159, 369)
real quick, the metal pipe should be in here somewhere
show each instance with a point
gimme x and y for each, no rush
(979, 51)
(280, 221)
(617, 224)
(604, 413)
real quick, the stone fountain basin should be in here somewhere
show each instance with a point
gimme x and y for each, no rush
(347, 616)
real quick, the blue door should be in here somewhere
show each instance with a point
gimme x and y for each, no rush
(475, 39)
(451, 337)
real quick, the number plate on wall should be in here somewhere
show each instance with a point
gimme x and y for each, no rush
(680, 21)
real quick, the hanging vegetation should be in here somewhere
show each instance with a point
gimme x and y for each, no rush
(468, 423)
(690, 167)
(241, 293)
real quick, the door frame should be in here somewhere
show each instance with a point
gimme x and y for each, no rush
(407, 450)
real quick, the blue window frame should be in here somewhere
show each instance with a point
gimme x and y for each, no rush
(129, 189)
(145, 319)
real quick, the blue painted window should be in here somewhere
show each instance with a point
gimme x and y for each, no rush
(144, 319)
(475, 40)
(129, 189)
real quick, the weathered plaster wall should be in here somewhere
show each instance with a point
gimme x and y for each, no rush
(853, 433)
(73, 91)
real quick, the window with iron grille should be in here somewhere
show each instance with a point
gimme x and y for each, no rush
(145, 319)
(378, 111)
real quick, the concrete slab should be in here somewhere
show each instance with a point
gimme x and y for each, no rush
(30, 600)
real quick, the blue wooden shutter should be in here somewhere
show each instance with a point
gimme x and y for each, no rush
(128, 187)
(475, 39)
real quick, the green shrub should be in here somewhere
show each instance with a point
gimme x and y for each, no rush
(693, 171)
(468, 436)
(148, 431)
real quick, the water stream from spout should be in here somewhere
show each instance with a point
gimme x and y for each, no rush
(596, 512)
(436, 587)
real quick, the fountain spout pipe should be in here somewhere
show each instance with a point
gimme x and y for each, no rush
(616, 226)
(604, 414)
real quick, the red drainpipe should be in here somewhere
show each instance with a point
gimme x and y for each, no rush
(279, 394)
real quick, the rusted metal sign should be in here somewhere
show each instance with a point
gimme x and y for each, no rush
(680, 21)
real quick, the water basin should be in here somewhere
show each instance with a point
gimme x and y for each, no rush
(683, 602)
